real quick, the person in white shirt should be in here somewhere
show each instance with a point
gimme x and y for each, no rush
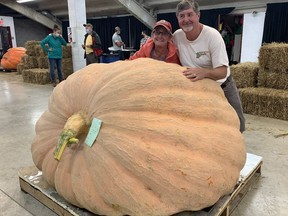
(202, 50)
(145, 38)
(118, 43)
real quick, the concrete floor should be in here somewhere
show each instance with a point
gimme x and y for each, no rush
(21, 104)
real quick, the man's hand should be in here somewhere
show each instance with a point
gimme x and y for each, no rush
(194, 74)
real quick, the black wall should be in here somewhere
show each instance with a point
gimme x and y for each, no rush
(130, 30)
(27, 29)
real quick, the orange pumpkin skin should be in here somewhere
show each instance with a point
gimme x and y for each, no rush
(166, 144)
(12, 58)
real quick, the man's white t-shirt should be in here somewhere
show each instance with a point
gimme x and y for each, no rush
(207, 51)
(116, 38)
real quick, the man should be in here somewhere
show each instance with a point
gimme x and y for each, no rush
(92, 45)
(202, 51)
(160, 46)
(118, 43)
(144, 39)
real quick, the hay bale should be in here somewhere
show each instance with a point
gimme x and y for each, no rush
(276, 80)
(42, 62)
(31, 43)
(272, 103)
(67, 67)
(67, 51)
(36, 75)
(245, 74)
(274, 57)
(30, 47)
(24, 59)
(39, 51)
(31, 62)
(20, 68)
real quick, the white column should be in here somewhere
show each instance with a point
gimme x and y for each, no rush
(77, 17)
(253, 27)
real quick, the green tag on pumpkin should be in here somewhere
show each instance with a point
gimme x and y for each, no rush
(93, 132)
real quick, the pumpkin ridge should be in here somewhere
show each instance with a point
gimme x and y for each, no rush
(146, 97)
(154, 134)
(49, 168)
(85, 176)
(159, 185)
(65, 190)
(166, 93)
(121, 169)
(182, 116)
(136, 122)
(111, 77)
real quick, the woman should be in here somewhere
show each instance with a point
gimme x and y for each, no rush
(160, 46)
(52, 44)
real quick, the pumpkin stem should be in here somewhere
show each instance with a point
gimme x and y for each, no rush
(76, 125)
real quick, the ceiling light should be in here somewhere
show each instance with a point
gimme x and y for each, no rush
(23, 1)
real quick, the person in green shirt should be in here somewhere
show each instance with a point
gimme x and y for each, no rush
(52, 44)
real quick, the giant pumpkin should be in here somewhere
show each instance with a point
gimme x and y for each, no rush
(166, 144)
(12, 58)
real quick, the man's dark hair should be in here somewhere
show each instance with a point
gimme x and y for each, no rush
(187, 4)
(144, 32)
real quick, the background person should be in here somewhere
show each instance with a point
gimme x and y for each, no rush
(202, 50)
(145, 38)
(52, 44)
(92, 42)
(160, 46)
(117, 42)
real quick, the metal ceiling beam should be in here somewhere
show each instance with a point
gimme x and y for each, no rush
(30, 13)
(159, 2)
(139, 12)
(90, 10)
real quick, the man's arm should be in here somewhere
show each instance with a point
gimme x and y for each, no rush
(195, 74)
(96, 42)
(117, 41)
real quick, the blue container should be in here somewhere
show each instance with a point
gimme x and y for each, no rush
(105, 58)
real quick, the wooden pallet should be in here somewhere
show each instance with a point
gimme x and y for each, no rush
(9, 70)
(32, 182)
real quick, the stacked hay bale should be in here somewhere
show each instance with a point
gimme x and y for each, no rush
(270, 99)
(35, 67)
(267, 102)
(245, 74)
(42, 59)
(20, 67)
(36, 75)
(31, 72)
(67, 64)
(31, 59)
(273, 61)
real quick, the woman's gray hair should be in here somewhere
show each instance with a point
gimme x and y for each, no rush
(187, 4)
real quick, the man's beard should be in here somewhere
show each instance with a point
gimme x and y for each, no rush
(187, 28)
